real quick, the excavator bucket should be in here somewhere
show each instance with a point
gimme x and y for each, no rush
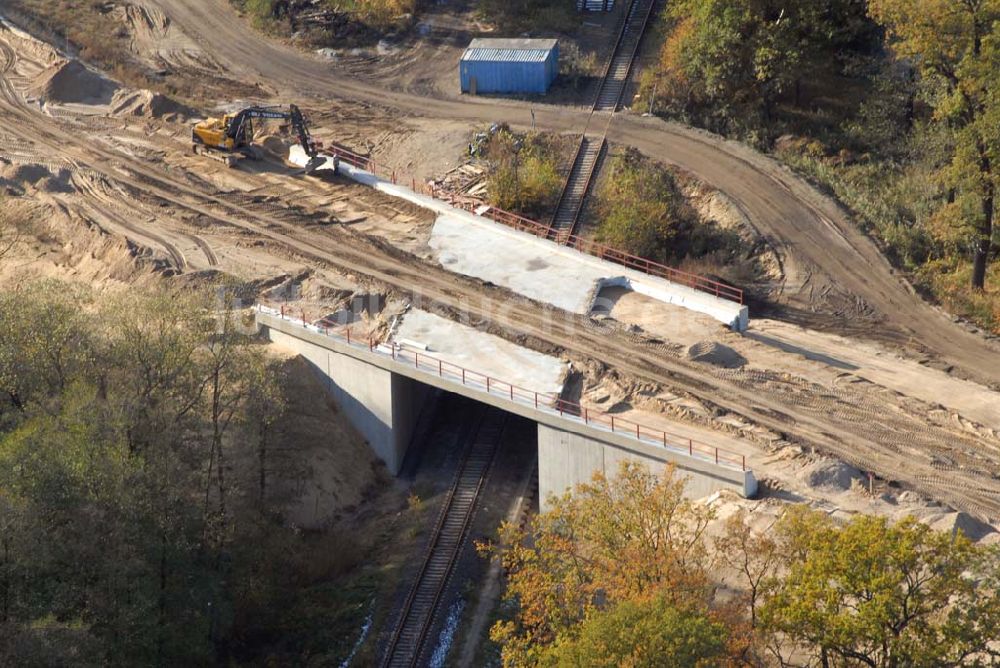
(315, 163)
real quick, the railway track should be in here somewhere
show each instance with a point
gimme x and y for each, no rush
(619, 67)
(589, 154)
(409, 639)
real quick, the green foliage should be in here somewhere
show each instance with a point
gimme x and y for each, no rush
(620, 573)
(641, 209)
(727, 63)
(871, 593)
(134, 527)
(524, 173)
(612, 541)
(642, 634)
(954, 46)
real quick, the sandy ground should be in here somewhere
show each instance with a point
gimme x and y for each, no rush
(320, 465)
(116, 227)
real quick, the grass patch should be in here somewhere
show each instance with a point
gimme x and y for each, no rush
(533, 16)
(641, 209)
(523, 171)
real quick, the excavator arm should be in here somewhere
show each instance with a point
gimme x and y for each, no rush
(239, 124)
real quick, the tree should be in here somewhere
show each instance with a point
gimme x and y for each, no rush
(645, 633)
(727, 62)
(754, 555)
(641, 208)
(886, 596)
(614, 539)
(46, 342)
(265, 404)
(955, 45)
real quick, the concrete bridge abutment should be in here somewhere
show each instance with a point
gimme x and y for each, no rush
(382, 405)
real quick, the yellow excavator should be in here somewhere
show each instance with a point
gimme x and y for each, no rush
(230, 138)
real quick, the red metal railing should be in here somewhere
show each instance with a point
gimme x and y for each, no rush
(547, 401)
(587, 246)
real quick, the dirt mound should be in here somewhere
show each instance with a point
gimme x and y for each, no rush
(21, 178)
(969, 526)
(713, 352)
(70, 81)
(148, 104)
(832, 475)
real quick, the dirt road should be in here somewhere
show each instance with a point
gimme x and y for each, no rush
(834, 275)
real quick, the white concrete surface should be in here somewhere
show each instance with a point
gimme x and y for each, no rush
(383, 406)
(536, 268)
(478, 351)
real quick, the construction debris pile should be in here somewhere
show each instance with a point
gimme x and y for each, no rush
(316, 15)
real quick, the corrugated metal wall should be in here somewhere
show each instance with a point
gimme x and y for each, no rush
(500, 76)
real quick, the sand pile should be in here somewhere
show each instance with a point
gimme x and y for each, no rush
(830, 474)
(713, 352)
(148, 104)
(31, 177)
(69, 81)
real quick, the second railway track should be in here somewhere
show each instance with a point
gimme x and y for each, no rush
(592, 147)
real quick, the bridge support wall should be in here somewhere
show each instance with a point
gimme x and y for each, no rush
(566, 459)
(382, 405)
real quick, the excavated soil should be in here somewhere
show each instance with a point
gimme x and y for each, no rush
(72, 82)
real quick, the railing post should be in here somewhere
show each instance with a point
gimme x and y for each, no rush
(512, 393)
(416, 360)
(638, 438)
(440, 368)
(348, 336)
(487, 384)
(536, 400)
(612, 424)
(690, 448)
(586, 417)
(393, 344)
(463, 376)
(716, 455)
(744, 462)
(664, 439)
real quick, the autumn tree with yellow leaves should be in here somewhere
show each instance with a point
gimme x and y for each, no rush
(623, 572)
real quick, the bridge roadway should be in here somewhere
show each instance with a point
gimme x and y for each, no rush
(381, 388)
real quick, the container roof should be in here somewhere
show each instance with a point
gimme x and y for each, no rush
(510, 50)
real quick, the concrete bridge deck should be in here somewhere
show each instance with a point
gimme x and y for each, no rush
(573, 442)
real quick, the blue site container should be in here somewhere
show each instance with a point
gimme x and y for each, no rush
(509, 65)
